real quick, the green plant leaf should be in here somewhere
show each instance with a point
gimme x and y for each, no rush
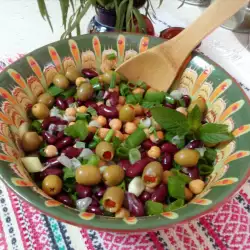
(134, 98)
(68, 173)
(210, 155)
(128, 15)
(182, 176)
(153, 208)
(64, 9)
(121, 15)
(176, 187)
(140, 20)
(44, 12)
(171, 120)
(214, 133)
(174, 205)
(91, 111)
(205, 169)
(194, 118)
(36, 126)
(78, 130)
(149, 105)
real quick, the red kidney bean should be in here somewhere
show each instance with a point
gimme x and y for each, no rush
(167, 161)
(187, 100)
(194, 144)
(89, 73)
(144, 154)
(100, 192)
(65, 199)
(108, 112)
(70, 100)
(51, 171)
(145, 196)
(94, 210)
(62, 122)
(125, 164)
(159, 195)
(192, 172)
(113, 98)
(80, 103)
(168, 147)
(169, 105)
(137, 168)
(83, 191)
(89, 137)
(66, 141)
(49, 120)
(50, 139)
(147, 144)
(60, 135)
(72, 152)
(95, 202)
(134, 205)
(52, 162)
(61, 104)
(91, 104)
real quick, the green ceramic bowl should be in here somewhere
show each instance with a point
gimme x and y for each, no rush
(24, 80)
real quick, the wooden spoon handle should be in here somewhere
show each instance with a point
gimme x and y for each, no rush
(213, 16)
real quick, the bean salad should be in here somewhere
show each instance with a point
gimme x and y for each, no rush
(108, 146)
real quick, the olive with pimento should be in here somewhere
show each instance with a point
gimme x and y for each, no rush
(113, 175)
(113, 199)
(105, 151)
(88, 175)
(152, 174)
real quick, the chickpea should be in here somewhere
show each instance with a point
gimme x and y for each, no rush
(82, 109)
(40, 111)
(182, 110)
(92, 129)
(46, 99)
(70, 112)
(130, 128)
(165, 176)
(72, 123)
(187, 157)
(156, 138)
(61, 81)
(50, 151)
(88, 175)
(122, 100)
(154, 152)
(72, 74)
(138, 109)
(115, 124)
(125, 136)
(52, 185)
(196, 186)
(122, 213)
(80, 80)
(31, 141)
(102, 132)
(119, 135)
(138, 91)
(101, 120)
(188, 194)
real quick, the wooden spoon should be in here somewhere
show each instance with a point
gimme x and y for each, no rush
(158, 66)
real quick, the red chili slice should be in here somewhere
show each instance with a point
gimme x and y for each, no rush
(110, 203)
(149, 178)
(107, 155)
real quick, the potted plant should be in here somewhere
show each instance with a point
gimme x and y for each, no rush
(111, 15)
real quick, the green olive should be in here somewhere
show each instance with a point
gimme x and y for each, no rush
(40, 111)
(46, 99)
(113, 175)
(107, 76)
(105, 151)
(201, 103)
(61, 81)
(72, 74)
(187, 157)
(88, 175)
(113, 199)
(152, 174)
(85, 91)
(52, 185)
(127, 113)
(31, 141)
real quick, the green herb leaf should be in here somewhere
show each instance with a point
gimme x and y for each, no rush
(83, 116)
(68, 173)
(153, 208)
(111, 56)
(176, 166)
(194, 118)
(73, 196)
(205, 169)
(67, 93)
(169, 136)
(134, 98)
(182, 176)
(214, 133)
(210, 155)
(171, 120)
(174, 205)
(122, 185)
(41, 152)
(53, 90)
(124, 89)
(36, 126)
(91, 111)
(176, 187)
(78, 130)
(149, 105)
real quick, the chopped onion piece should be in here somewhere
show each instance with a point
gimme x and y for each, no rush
(176, 94)
(106, 93)
(83, 204)
(136, 186)
(65, 161)
(55, 112)
(134, 155)
(52, 128)
(75, 163)
(177, 140)
(201, 151)
(60, 128)
(95, 124)
(86, 153)
(102, 169)
(73, 105)
(80, 144)
(145, 122)
(69, 118)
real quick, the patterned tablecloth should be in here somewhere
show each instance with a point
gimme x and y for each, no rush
(23, 227)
